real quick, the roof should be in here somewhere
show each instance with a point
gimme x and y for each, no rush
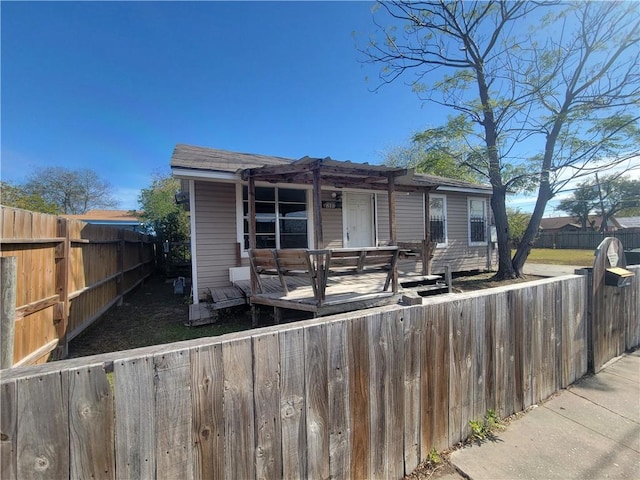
(628, 222)
(338, 173)
(124, 216)
(203, 158)
(556, 223)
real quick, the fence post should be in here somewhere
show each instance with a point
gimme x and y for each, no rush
(120, 281)
(8, 273)
(63, 267)
(587, 272)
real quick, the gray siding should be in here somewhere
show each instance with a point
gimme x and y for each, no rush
(215, 234)
(331, 224)
(409, 217)
(458, 254)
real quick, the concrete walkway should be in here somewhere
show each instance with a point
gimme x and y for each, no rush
(543, 270)
(591, 430)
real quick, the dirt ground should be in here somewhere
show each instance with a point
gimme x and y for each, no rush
(150, 315)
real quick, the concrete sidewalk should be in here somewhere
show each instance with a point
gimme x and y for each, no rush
(591, 430)
(544, 270)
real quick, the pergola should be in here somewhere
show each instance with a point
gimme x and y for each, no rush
(320, 172)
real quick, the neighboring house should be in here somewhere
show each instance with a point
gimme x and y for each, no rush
(572, 224)
(350, 210)
(629, 224)
(114, 218)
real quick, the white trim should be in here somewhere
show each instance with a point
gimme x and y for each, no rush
(486, 221)
(446, 217)
(194, 256)
(476, 191)
(187, 173)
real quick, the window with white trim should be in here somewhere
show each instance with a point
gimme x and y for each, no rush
(438, 219)
(281, 218)
(477, 221)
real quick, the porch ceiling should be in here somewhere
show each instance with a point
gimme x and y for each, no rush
(332, 173)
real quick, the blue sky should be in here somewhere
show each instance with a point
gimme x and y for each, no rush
(114, 86)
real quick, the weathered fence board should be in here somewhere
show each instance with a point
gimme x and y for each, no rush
(91, 427)
(338, 391)
(238, 409)
(266, 354)
(207, 390)
(135, 418)
(363, 395)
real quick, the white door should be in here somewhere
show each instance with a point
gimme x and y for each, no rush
(358, 223)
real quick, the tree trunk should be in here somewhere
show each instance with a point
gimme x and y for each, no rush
(498, 204)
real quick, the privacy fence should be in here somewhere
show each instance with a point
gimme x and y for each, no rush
(586, 240)
(67, 274)
(360, 395)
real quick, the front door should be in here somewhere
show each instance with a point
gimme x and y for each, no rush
(358, 231)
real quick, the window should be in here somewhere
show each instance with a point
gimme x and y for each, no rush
(477, 221)
(438, 219)
(281, 217)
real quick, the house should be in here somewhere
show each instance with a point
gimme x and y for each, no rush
(349, 207)
(573, 224)
(115, 218)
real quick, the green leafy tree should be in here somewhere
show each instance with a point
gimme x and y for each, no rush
(545, 105)
(518, 221)
(71, 191)
(605, 196)
(437, 152)
(162, 215)
(17, 197)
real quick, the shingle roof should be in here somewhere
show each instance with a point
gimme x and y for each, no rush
(211, 159)
(106, 215)
(202, 158)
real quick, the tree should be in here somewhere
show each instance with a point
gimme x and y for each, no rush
(568, 91)
(72, 191)
(518, 221)
(605, 196)
(163, 216)
(435, 153)
(17, 197)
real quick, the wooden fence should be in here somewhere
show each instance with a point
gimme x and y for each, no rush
(68, 274)
(587, 240)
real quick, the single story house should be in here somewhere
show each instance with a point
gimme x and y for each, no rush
(323, 203)
(573, 224)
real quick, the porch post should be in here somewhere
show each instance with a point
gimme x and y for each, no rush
(317, 209)
(426, 246)
(391, 187)
(252, 224)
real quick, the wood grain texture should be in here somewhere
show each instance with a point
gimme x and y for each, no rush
(338, 392)
(461, 370)
(135, 418)
(238, 409)
(292, 404)
(207, 390)
(359, 397)
(91, 424)
(481, 356)
(43, 426)
(317, 401)
(174, 451)
(8, 430)
(413, 328)
(266, 355)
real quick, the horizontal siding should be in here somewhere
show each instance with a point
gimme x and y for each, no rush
(331, 224)
(458, 254)
(409, 217)
(216, 237)
(382, 218)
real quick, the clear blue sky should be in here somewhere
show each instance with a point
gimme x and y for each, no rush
(114, 86)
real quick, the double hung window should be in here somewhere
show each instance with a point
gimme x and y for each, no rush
(438, 219)
(477, 221)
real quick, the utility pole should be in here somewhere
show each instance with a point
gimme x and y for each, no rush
(603, 222)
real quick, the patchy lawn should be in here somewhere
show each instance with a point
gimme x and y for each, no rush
(150, 315)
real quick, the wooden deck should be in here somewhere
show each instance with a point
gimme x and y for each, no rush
(350, 292)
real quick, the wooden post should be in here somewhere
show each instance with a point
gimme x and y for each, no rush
(251, 197)
(8, 273)
(447, 278)
(393, 240)
(63, 266)
(120, 280)
(426, 247)
(317, 208)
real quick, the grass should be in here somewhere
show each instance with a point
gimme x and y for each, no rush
(561, 257)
